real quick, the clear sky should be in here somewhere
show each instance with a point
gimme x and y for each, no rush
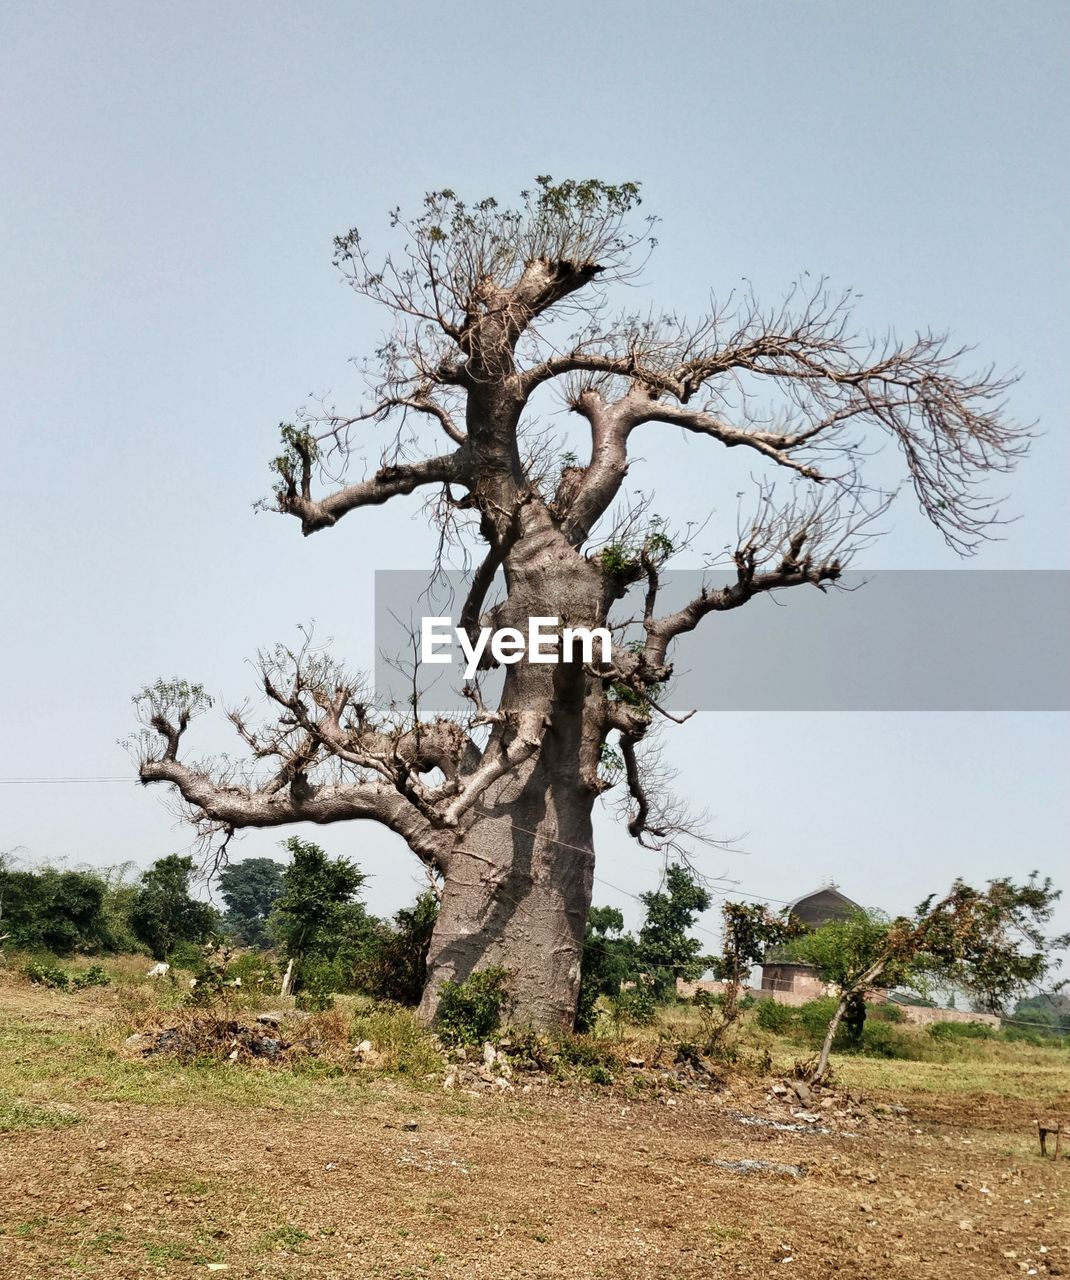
(173, 176)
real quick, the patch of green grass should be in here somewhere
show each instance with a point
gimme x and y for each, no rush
(103, 1243)
(30, 1226)
(284, 1237)
(18, 1115)
(170, 1252)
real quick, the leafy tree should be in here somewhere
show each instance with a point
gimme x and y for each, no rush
(476, 299)
(663, 951)
(608, 961)
(164, 913)
(121, 889)
(319, 919)
(989, 942)
(1048, 1009)
(748, 930)
(249, 890)
(52, 910)
(398, 968)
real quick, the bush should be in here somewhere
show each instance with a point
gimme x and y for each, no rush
(255, 970)
(814, 1017)
(47, 975)
(882, 1039)
(317, 982)
(885, 1012)
(961, 1031)
(397, 968)
(1038, 1039)
(472, 1010)
(774, 1017)
(635, 1005)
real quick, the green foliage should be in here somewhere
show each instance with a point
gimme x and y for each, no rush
(319, 980)
(1039, 1038)
(397, 969)
(990, 941)
(299, 451)
(634, 1006)
(320, 921)
(749, 929)
(663, 950)
(961, 1031)
(254, 970)
(472, 1010)
(1051, 1009)
(814, 1016)
(164, 913)
(608, 960)
(58, 911)
(47, 975)
(774, 1017)
(249, 889)
(405, 1044)
(885, 1040)
(843, 950)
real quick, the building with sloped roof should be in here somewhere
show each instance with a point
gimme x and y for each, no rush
(788, 981)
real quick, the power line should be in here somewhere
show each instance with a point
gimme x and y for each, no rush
(46, 782)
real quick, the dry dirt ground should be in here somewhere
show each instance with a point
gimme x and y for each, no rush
(129, 1169)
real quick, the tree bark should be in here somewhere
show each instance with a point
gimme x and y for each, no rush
(830, 1035)
(516, 895)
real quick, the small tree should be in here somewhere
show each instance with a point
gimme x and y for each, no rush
(249, 890)
(60, 911)
(398, 969)
(318, 918)
(990, 942)
(165, 913)
(608, 962)
(664, 952)
(749, 930)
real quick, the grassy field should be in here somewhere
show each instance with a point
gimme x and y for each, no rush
(113, 1165)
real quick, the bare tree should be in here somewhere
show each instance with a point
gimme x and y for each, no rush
(499, 803)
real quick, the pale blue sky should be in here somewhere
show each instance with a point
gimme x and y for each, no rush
(173, 176)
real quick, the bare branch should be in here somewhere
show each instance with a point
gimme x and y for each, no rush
(387, 483)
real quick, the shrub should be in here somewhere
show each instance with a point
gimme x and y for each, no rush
(318, 981)
(882, 1039)
(885, 1012)
(1038, 1039)
(94, 976)
(774, 1017)
(397, 967)
(814, 1017)
(635, 1005)
(47, 975)
(961, 1031)
(254, 969)
(472, 1010)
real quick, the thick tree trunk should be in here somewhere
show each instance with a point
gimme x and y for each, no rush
(516, 894)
